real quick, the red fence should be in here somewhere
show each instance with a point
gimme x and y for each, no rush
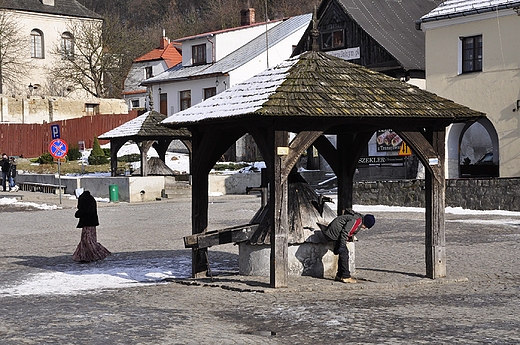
(31, 140)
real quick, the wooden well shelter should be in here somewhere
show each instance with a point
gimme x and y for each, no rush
(314, 95)
(146, 131)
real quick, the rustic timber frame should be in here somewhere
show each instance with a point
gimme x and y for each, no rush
(146, 132)
(313, 96)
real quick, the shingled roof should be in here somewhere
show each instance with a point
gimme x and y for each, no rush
(315, 84)
(145, 126)
(61, 7)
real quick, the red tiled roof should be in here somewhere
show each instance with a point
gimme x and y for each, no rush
(170, 54)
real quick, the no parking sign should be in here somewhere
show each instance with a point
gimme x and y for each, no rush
(58, 148)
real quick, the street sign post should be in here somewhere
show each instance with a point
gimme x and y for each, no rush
(58, 148)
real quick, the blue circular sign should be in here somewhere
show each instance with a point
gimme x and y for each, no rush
(58, 148)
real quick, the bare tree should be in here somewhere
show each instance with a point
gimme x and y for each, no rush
(83, 64)
(12, 53)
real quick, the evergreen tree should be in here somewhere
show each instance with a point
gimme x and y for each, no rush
(97, 156)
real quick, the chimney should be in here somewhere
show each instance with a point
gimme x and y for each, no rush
(165, 41)
(247, 16)
(48, 2)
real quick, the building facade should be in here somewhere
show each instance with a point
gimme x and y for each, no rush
(153, 63)
(41, 29)
(472, 58)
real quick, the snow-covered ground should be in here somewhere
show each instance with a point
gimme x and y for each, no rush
(115, 272)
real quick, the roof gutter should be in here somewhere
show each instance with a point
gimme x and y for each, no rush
(515, 6)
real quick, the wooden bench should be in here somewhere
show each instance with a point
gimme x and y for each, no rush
(41, 187)
(207, 239)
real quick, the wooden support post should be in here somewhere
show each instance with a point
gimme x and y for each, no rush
(435, 243)
(430, 149)
(199, 218)
(144, 147)
(199, 205)
(279, 268)
(345, 180)
(115, 145)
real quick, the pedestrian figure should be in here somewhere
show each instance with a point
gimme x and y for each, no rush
(4, 164)
(342, 230)
(89, 249)
(12, 175)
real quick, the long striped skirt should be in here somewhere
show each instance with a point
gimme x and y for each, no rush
(89, 249)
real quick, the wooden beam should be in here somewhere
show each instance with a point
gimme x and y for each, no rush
(208, 146)
(212, 238)
(349, 149)
(161, 146)
(115, 145)
(429, 148)
(328, 152)
(279, 267)
(144, 146)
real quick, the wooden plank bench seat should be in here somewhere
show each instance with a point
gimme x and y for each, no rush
(41, 187)
(229, 235)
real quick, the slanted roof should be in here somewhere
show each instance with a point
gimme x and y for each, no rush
(392, 25)
(240, 56)
(217, 32)
(459, 8)
(61, 7)
(318, 85)
(145, 126)
(168, 52)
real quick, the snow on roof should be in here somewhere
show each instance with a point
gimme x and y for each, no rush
(457, 8)
(246, 97)
(146, 125)
(240, 56)
(315, 84)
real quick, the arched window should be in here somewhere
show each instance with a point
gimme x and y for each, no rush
(67, 45)
(37, 44)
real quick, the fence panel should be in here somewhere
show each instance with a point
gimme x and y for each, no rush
(31, 140)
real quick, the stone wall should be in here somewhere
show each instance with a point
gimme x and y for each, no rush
(475, 194)
(37, 109)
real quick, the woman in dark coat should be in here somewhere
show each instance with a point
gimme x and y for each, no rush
(89, 249)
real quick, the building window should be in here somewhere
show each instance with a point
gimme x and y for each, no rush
(185, 99)
(471, 54)
(332, 40)
(91, 109)
(67, 46)
(148, 72)
(36, 44)
(198, 54)
(210, 92)
(135, 103)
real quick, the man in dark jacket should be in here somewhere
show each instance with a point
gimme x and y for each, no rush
(342, 230)
(5, 165)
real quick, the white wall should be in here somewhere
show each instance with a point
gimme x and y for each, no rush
(52, 27)
(493, 91)
(223, 43)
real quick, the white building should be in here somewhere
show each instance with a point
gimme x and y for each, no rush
(472, 58)
(214, 61)
(43, 29)
(147, 66)
(44, 25)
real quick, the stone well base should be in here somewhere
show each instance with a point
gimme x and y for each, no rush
(307, 259)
